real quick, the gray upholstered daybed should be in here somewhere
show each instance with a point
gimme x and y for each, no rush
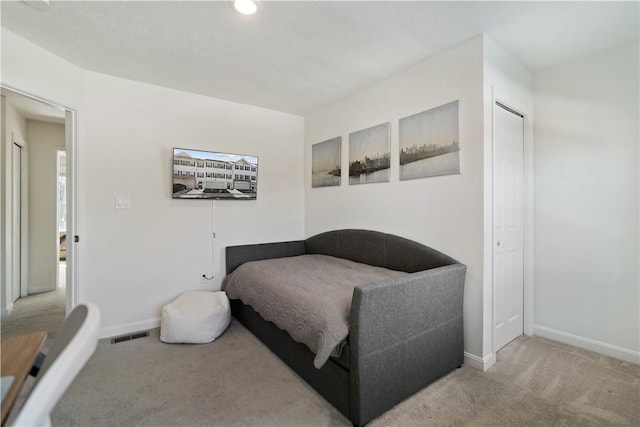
(404, 332)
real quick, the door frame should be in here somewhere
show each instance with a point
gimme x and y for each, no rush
(71, 148)
(71, 139)
(511, 102)
(24, 217)
(56, 187)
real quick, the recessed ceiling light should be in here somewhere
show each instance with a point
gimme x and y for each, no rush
(245, 7)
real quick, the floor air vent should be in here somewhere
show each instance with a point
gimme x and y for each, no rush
(124, 338)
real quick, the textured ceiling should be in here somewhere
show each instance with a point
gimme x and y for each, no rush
(299, 56)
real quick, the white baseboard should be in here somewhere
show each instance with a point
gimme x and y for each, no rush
(6, 310)
(588, 344)
(114, 331)
(481, 363)
(40, 290)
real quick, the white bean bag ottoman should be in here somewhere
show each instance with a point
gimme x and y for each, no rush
(195, 317)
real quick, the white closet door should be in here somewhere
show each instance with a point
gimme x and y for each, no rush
(16, 221)
(508, 272)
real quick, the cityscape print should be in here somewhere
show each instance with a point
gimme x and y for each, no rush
(326, 158)
(430, 143)
(369, 155)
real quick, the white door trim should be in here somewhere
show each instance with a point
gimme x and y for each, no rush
(506, 99)
(24, 214)
(71, 138)
(56, 241)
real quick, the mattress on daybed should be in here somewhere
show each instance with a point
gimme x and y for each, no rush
(309, 296)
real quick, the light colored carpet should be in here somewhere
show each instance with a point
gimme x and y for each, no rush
(38, 312)
(237, 381)
(535, 382)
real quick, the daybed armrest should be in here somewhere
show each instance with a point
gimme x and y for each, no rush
(237, 255)
(405, 333)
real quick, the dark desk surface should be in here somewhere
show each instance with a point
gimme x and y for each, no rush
(18, 354)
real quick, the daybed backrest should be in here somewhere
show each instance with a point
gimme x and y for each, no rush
(236, 255)
(378, 249)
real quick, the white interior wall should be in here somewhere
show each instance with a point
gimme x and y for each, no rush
(443, 212)
(130, 262)
(586, 202)
(30, 68)
(44, 139)
(136, 260)
(14, 125)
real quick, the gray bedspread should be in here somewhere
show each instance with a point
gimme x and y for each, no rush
(309, 296)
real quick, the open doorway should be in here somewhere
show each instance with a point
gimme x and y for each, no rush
(46, 132)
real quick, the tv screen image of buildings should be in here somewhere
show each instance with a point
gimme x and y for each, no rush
(369, 155)
(326, 159)
(213, 175)
(430, 143)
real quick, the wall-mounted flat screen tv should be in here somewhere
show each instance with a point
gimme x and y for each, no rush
(201, 174)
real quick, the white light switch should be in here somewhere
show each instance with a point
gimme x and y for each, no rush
(123, 202)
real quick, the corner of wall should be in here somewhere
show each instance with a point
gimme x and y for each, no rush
(507, 80)
(480, 363)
